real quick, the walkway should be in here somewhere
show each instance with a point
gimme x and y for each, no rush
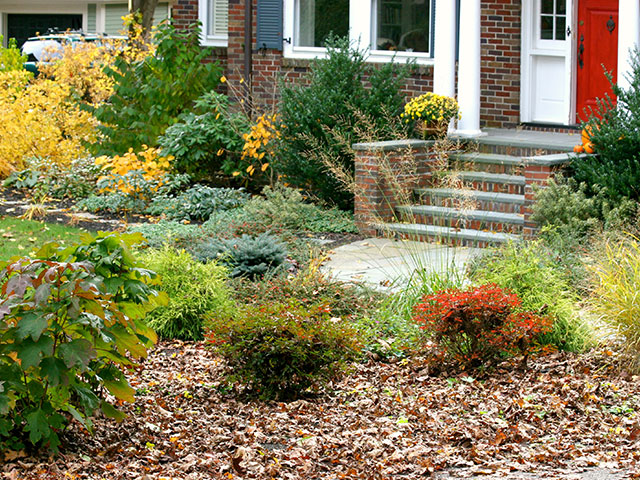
(385, 263)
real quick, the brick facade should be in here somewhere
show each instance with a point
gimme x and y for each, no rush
(500, 28)
(500, 69)
(184, 14)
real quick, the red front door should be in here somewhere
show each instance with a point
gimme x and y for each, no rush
(597, 46)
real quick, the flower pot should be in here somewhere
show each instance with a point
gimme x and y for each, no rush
(432, 129)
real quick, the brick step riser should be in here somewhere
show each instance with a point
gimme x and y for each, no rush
(481, 225)
(487, 167)
(453, 242)
(501, 207)
(484, 186)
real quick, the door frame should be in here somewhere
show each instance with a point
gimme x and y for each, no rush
(529, 18)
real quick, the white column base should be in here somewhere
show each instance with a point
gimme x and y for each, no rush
(469, 133)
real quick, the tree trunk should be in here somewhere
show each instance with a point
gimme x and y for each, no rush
(147, 9)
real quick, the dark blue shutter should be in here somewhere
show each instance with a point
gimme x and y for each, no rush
(269, 20)
(433, 28)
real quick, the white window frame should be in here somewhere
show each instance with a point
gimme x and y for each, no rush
(203, 15)
(361, 25)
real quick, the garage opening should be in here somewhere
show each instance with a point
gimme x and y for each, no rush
(21, 26)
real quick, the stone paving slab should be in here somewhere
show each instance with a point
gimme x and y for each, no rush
(380, 262)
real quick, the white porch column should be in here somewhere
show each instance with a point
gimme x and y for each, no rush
(469, 69)
(444, 68)
(628, 37)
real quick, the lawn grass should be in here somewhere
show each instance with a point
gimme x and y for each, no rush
(21, 237)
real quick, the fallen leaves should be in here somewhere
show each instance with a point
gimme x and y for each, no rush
(567, 414)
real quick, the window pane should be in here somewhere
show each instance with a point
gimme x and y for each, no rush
(561, 7)
(317, 19)
(402, 25)
(547, 6)
(561, 27)
(546, 27)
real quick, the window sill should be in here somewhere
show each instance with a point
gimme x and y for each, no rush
(299, 61)
(214, 42)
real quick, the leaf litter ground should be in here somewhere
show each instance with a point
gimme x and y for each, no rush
(568, 416)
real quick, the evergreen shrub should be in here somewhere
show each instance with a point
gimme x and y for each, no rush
(194, 290)
(335, 98)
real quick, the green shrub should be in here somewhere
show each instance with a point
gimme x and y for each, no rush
(246, 256)
(11, 58)
(531, 272)
(70, 324)
(575, 210)
(321, 114)
(204, 144)
(115, 202)
(308, 287)
(74, 181)
(282, 349)
(615, 133)
(194, 289)
(131, 192)
(286, 208)
(151, 94)
(615, 288)
(170, 233)
(197, 203)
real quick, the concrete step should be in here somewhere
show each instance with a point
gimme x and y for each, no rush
(470, 219)
(488, 201)
(447, 212)
(446, 235)
(488, 162)
(491, 182)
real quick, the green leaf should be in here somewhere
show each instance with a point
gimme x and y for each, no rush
(30, 352)
(128, 341)
(31, 324)
(120, 389)
(86, 398)
(54, 370)
(42, 294)
(76, 414)
(48, 250)
(37, 426)
(78, 352)
(4, 404)
(112, 412)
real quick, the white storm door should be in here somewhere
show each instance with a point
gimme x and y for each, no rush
(547, 61)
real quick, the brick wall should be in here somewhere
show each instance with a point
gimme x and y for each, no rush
(500, 69)
(184, 14)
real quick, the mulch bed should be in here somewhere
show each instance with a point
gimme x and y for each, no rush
(566, 414)
(105, 221)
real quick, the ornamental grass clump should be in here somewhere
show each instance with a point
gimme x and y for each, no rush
(615, 296)
(478, 326)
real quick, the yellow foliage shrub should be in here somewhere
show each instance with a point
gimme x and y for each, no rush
(81, 68)
(39, 119)
(259, 144)
(81, 64)
(148, 162)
